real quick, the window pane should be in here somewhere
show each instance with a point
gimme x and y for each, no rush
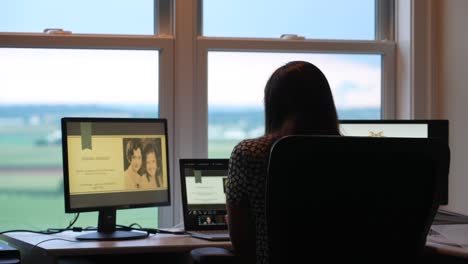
(314, 19)
(78, 16)
(39, 86)
(235, 107)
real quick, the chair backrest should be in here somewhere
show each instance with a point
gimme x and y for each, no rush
(352, 197)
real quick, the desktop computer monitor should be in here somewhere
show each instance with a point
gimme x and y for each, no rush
(114, 163)
(400, 128)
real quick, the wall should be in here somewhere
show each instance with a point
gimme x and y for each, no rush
(452, 92)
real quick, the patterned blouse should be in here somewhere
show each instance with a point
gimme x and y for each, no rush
(246, 184)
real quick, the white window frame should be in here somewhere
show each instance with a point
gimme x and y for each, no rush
(191, 66)
(196, 48)
(162, 40)
(407, 92)
(383, 45)
(416, 59)
(205, 45)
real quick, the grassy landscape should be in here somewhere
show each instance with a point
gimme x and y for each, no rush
(35, 201)
(39, 212)
(21, 149)
(221, 149)
(31, 187)
(31, 178)
(31, 184)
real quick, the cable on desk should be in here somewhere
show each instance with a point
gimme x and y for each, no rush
(152, 230)
(139, 228)
(30, 231)
(50, 239)
(135, 224)
(69, 227)
(72, 222)
(49, 231)
(74, 229)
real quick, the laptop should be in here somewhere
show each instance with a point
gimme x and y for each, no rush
(203, 184)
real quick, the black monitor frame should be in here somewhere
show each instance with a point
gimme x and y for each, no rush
(106, 229)
(198, 164)
(435, 129)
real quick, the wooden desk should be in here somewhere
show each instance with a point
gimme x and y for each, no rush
(159, 248)
(63, 247)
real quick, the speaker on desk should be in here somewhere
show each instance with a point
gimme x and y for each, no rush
(9, 255)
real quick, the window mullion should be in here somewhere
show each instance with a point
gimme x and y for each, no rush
(384, 17)
(82, 41)
(165, 13)
(313, 46)
(187, 125)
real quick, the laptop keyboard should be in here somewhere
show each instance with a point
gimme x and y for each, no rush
(214, 235)
(210, 231)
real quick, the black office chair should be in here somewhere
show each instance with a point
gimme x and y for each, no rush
(350, 198)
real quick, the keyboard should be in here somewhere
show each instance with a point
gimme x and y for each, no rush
(213, 235)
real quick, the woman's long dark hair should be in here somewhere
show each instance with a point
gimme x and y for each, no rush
(299, 93)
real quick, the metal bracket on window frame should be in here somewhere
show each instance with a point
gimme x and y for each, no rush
(57, 31)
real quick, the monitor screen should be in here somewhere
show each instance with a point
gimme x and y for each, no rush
(203, 186)
(114, 163)
(400, 128)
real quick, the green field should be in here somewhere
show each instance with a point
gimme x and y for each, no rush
(31, 191)
(36, 202)
(31, 185)
(20, 148)
(221, 148)
(39, 212)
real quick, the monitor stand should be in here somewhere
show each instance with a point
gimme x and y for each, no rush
(107, 229)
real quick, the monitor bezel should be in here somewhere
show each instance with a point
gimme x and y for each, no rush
(67, 196)
(437, 128)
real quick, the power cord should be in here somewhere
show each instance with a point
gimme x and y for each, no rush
(51, 231)
(72, 222)
(133, 226)
(69, 227)
(152, 230)
(25, 230)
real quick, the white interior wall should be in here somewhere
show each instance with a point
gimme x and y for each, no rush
(452, 75)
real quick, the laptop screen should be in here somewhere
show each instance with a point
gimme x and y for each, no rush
(203, 184)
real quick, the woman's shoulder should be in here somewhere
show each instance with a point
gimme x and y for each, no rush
(254, 147)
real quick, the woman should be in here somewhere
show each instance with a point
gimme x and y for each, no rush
(298, 100)
(151, 179)
(133, 156)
